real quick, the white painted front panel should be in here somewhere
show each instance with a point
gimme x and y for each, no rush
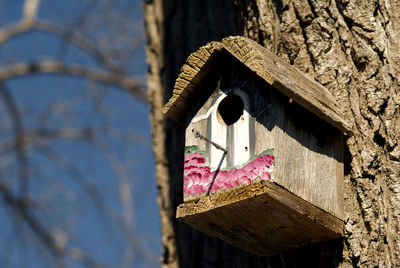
(218, 135)
(239, 147)
(241, 135)
(241, 140)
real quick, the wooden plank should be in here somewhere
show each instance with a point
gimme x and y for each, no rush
(288, 80)
(306, 154)
(262, 218)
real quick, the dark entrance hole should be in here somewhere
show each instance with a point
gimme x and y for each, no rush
(230, 109)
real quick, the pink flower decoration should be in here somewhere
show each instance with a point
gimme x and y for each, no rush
(265, 176)
(198, 176)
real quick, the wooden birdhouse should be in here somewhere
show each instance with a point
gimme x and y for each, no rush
(263, 167)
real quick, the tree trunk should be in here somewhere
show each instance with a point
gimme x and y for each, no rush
(350, 47)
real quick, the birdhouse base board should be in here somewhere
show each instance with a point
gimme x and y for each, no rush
(262, 218)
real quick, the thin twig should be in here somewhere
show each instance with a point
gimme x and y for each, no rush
(35, 136)
(57, 67)
(23, 211)
(18, 129)
(78, 40)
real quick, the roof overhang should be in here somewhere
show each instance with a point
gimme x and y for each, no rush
(279, 74)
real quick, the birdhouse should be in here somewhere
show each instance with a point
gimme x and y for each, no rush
(263, 166)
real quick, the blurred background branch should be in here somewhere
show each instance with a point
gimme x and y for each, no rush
(75, 150)
(131, 84)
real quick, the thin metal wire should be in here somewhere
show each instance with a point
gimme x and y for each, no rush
(199, 136)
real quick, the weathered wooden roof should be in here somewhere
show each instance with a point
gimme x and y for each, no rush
(281, 75)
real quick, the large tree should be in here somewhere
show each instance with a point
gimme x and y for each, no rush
(349, 46)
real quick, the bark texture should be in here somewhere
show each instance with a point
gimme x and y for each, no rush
(350, 47)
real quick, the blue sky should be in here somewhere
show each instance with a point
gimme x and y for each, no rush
(119, 122)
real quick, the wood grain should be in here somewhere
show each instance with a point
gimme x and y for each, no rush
(261, 218)
(308, 151)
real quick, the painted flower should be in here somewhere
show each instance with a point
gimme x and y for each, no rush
(198, 176)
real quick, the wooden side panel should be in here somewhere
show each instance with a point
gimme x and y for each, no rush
(261, 218)
(308, 152)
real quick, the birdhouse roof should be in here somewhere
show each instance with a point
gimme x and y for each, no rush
(281, 75)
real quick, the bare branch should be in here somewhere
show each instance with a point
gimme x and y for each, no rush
(97, 198)
(78, 40)
(125, 195)
(31, 136)
(16, 120)
(30, 9)
(9, 244)
(13, 30)
(75, 174)
(23, 211)
(56, 67)
(110, 71)
(123, 180)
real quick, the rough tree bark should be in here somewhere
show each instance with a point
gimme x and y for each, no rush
(348, 46)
